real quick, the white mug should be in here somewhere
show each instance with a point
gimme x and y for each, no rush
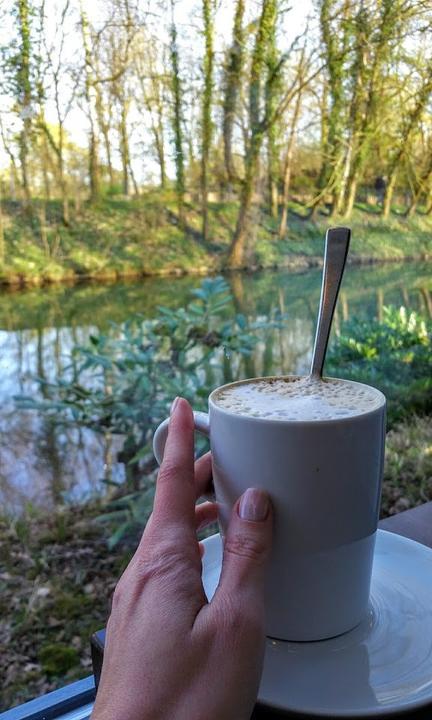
(324, 479)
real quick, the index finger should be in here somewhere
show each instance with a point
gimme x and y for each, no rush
(174, 501)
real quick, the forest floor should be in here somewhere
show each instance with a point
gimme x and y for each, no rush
(57, 574)
(135, 237)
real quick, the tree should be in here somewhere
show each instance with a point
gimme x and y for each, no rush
(13, 168)
(206, 121)
(422, 183)
(154, 90)
(233, 79)
(24, 84)
(409, 126)
(258, 124)
(273, 93)
(121, 32)
(261, 114)
(121, 96)
(2, 238)
(18, 82)
(63, 96)
(376, 35)
(90, 94)
(335, 36)
(177, 115)
(287, 161)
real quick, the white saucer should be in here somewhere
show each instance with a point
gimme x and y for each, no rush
(383, 666)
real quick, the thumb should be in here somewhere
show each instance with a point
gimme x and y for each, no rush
(246, 549)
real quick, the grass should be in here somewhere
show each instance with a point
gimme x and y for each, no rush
(408, 467)
(135, 237)
(57, 578)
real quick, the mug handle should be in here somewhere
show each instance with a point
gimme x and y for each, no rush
(202, 425)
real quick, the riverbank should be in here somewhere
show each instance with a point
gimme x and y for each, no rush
(57, 574)
(131, 238)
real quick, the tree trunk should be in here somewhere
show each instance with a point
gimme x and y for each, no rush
(2, 238)
(336, 37)
(425, 179)
(124, 149)
(107, 145)
(273, 91)
(92, 102)
(238, 244)
(342, 191)
(23, 153)
(412, 123)
(258, 127)
(351, 196)
(274, 197)
(25, 91)
(160, 150)
(206, 129)
(43, 228)
(133, 178)
(336, 180)
(322, 176)
(233, 79)
(94, 165)
(177, 117)
(272, 172)
(45, 159)
(63, 181)
(285, 195)
(154, 102)
(287, 165)
(286, 189)
(388, 196)
(429, 202)
(65, 201)
(412, 207)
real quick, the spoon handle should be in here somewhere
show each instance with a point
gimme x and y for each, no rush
(336, 251)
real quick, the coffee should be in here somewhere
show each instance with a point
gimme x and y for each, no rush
(298, 398)
(323, 476)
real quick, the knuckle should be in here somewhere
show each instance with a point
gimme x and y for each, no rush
(246, 546)
(166, 561)
(168, 470)
(237, 619)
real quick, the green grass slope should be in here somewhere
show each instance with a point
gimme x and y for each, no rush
(133, 237)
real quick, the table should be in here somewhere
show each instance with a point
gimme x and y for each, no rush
(415, 524)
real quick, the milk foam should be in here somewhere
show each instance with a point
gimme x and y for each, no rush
(298, 398)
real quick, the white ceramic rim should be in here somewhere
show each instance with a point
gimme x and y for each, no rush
(349, 418)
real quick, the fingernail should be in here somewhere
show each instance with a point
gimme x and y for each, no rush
(174, 405)
(254, 505)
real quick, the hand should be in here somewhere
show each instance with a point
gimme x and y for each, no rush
(169, 653)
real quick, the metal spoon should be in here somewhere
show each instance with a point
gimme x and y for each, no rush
(336, 251)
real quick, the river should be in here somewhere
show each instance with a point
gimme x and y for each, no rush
(42, 465)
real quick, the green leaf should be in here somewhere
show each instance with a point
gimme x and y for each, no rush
(115, 538)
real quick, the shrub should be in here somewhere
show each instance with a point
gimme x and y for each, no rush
(393, 355)
(124, 382)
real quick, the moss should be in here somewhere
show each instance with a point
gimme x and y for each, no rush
(57, 659)
(70, 605)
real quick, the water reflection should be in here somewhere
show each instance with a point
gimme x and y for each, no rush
(45, 464)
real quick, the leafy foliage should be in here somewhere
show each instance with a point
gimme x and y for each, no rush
(394, 355)
(124, 382)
